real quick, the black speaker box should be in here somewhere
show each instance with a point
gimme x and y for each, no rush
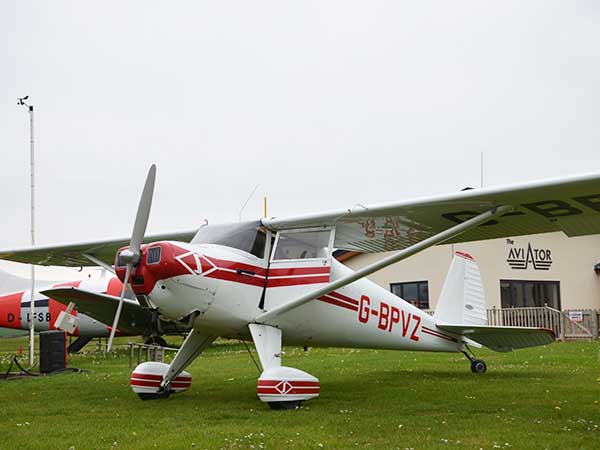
(53, 351)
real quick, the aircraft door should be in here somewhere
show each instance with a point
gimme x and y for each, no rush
(300, 262)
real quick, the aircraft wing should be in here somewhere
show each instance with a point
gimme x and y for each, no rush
(102, 307)
(570, 205)
(502, 339)
(71, 254)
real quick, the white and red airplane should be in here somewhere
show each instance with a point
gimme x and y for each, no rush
(92, 316)
(274, 281)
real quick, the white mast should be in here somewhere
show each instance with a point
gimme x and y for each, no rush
(21, 101)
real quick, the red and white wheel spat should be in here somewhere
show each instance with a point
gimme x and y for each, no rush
(146, 378)
(286, 384)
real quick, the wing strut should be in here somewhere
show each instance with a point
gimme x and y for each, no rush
(403, 254)
(100, 263)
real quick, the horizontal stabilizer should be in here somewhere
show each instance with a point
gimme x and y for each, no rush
(102, 307)
(502, 339)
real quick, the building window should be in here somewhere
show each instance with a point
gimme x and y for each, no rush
(415, 292)
(528, 294)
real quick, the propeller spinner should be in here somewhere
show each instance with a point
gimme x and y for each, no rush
(132, 255)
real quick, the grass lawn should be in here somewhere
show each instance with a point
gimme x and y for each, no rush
(541, 398)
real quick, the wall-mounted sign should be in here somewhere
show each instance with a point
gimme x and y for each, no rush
(576, 316)
(521, 258)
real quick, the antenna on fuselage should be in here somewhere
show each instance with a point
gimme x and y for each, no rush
(246, 202)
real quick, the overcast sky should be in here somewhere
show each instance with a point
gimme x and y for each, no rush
(325, 104)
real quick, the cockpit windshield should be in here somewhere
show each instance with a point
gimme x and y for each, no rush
(247, 236)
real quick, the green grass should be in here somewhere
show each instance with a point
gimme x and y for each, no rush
(531, 399)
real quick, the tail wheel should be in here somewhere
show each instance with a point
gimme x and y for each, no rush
(478, 366)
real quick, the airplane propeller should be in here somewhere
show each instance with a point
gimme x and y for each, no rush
(132, 255)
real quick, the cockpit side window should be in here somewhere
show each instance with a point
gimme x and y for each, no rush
(302, 245)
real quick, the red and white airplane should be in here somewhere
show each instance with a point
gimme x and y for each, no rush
(92, 316)
(274, 281)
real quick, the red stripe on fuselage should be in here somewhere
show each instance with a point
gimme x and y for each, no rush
(289, 271)
(333, 301)
(438, 334)
(237, 272)
(234, 265)
(235, 277)
(343, 297)
(254, 275)
(297, 281)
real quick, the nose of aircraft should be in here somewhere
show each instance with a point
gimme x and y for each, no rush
(157, 262)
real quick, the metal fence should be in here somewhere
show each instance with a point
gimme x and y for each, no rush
(566, 325)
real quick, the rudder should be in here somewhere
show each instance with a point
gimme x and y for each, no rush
(462, 300)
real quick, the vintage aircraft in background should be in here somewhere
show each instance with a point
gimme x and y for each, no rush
(274, 281)
(93, 314)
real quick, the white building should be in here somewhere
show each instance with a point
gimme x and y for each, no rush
(524, 271)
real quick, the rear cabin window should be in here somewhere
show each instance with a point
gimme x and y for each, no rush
(302, 245)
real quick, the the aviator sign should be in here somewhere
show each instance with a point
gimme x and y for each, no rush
(521, 257)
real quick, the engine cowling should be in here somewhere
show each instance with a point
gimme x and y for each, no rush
(157, 262)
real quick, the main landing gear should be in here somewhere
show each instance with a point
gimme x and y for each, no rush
(477, 365)
(278, 386)
(155, 380)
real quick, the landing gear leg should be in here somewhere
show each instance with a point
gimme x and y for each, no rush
(477, 365)
(193, 345)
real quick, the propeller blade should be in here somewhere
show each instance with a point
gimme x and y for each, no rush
(115, 324)
(131, 256)
(143, 212)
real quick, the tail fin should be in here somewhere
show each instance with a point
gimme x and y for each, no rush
(462, 301)
(12, 283)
